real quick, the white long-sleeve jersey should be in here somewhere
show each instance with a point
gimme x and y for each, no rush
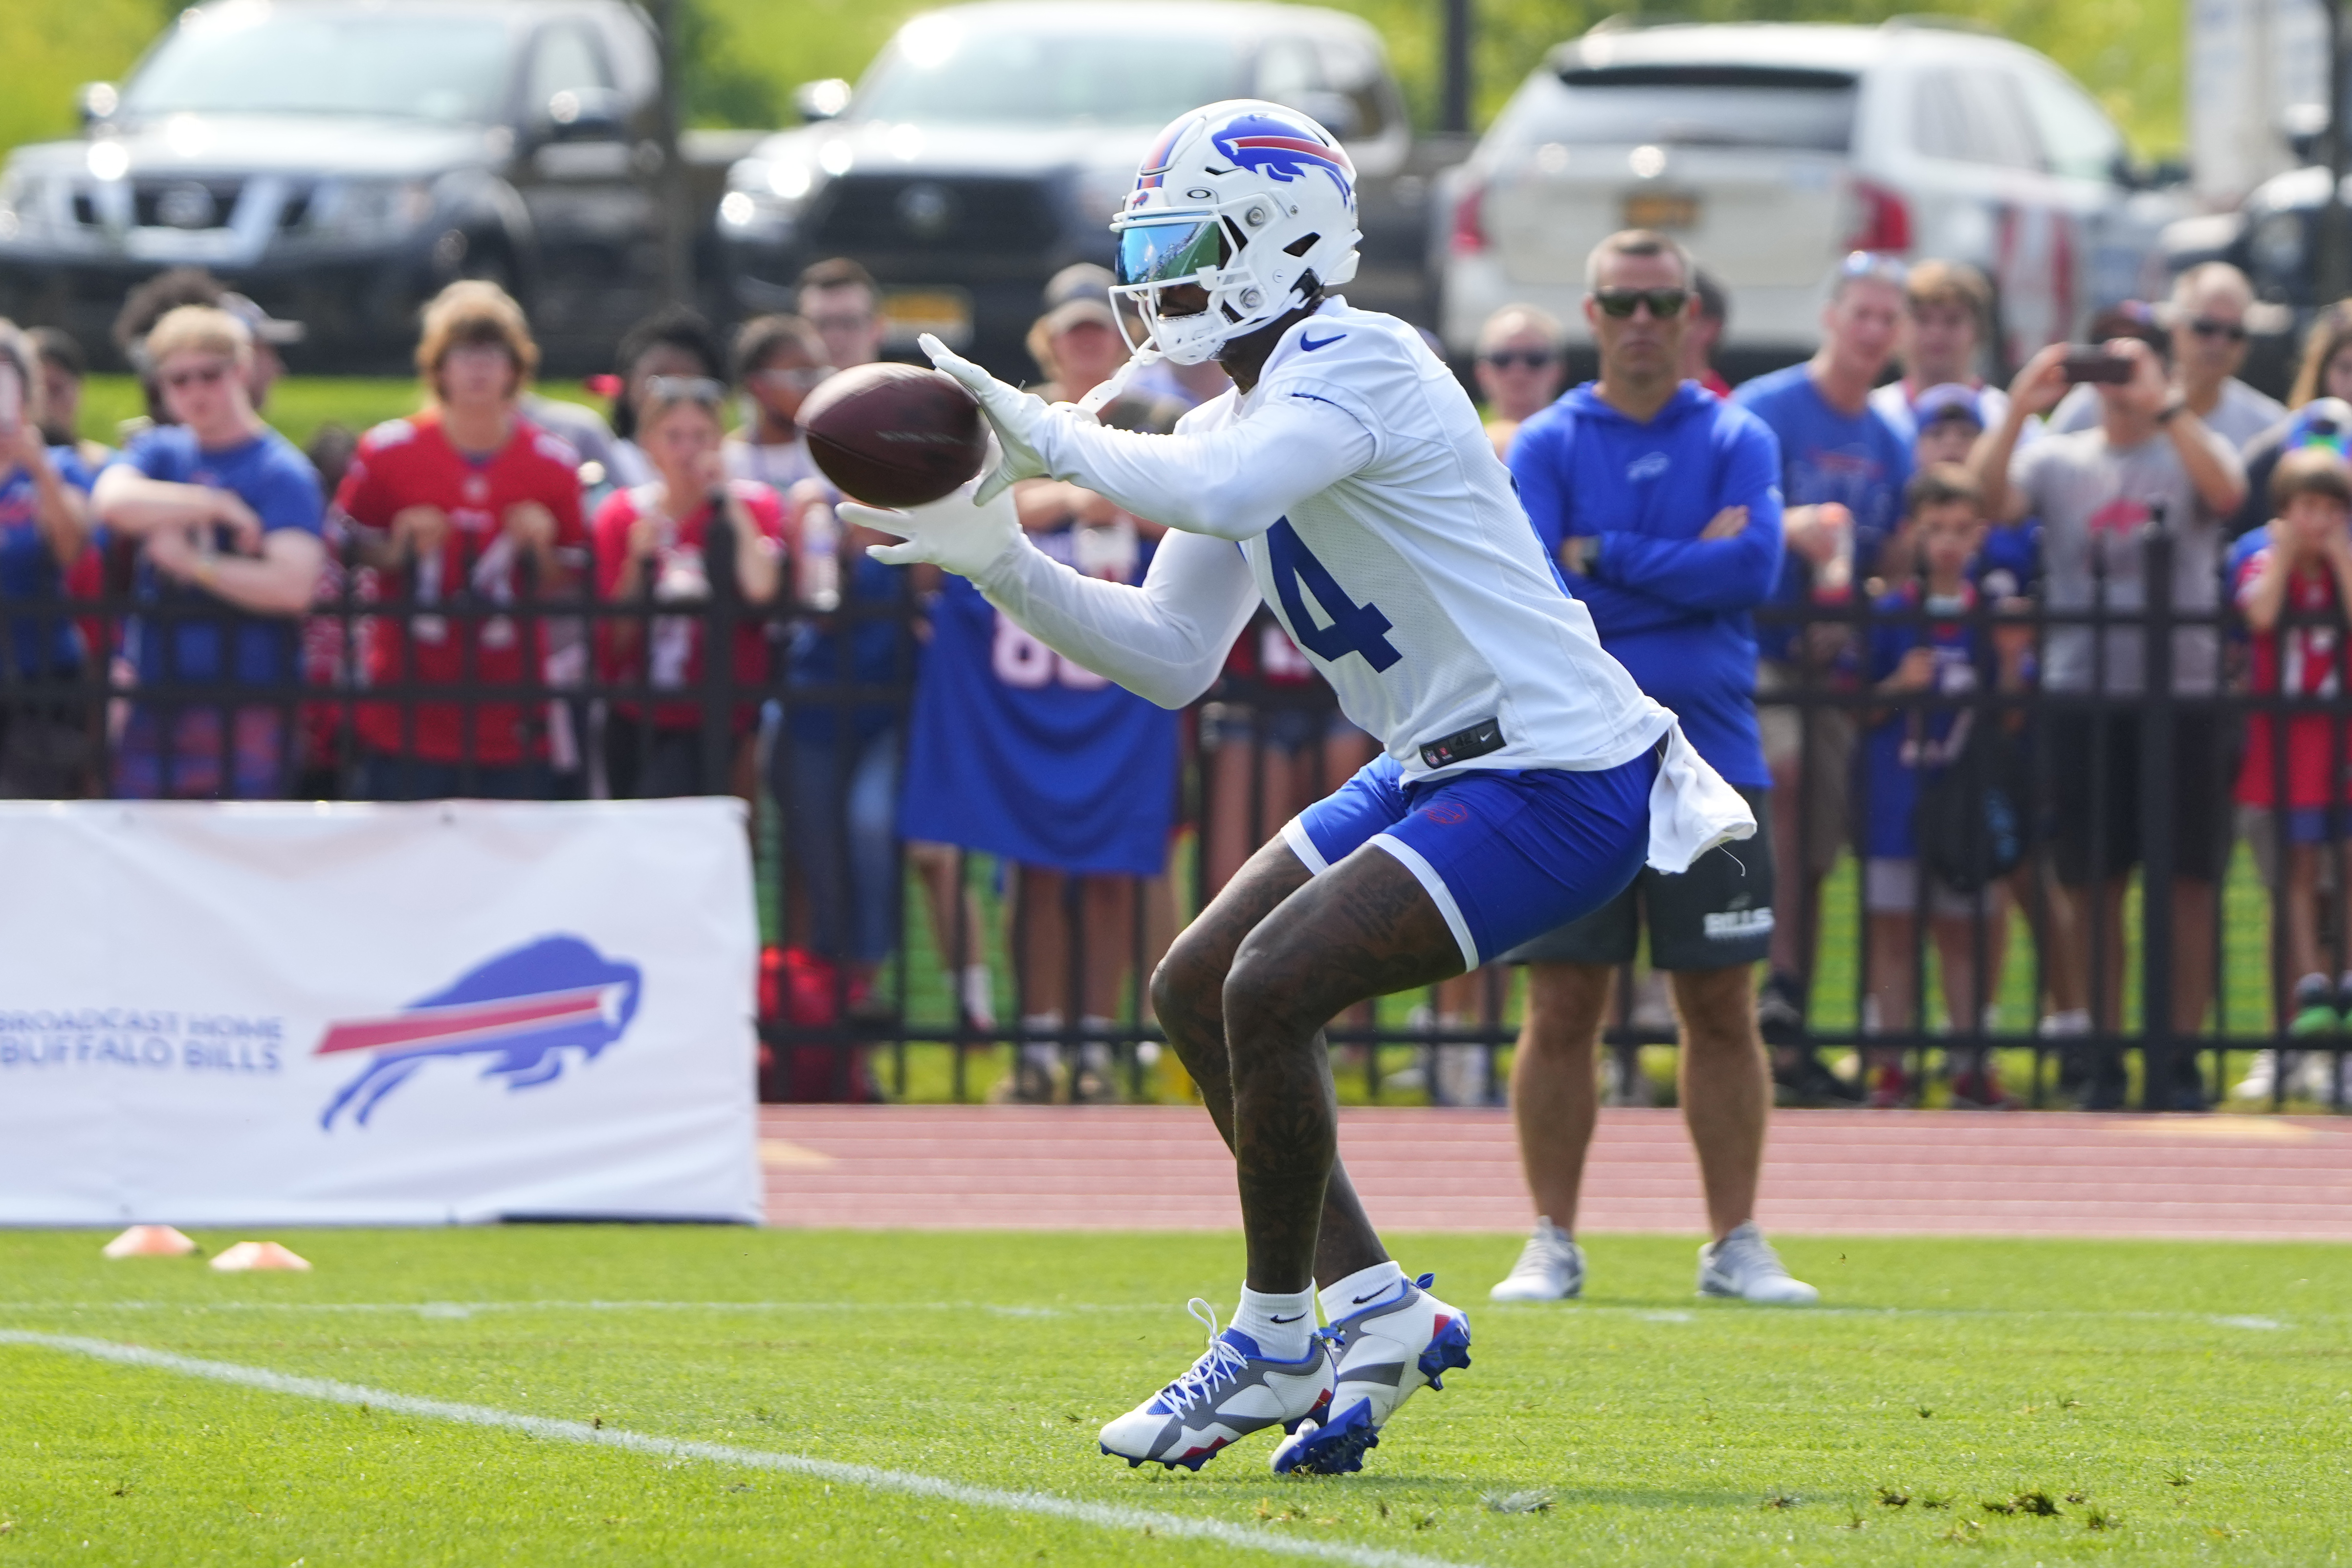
(1371, 513)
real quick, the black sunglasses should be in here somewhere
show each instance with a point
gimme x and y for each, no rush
(2207, 327)
(1533, 358)
(1621, 303)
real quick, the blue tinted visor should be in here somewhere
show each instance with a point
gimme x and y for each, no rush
(1170, 252)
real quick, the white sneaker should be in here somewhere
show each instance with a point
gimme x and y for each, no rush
(1388, 1351)
(1231, 1392)
(1744, 1265)
(2260, 1079)
(1550, 1268)
(2313, 1078)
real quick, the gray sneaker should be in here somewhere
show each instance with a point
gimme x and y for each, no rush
(1550, 1268)
(1743, 1265)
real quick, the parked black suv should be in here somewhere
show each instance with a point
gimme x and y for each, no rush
(342, 159)
(988, 146)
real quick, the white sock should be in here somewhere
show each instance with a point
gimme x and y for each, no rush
(1283, 1325)
(1361, 1289)
(980, 996)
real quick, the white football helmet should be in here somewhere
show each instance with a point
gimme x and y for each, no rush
(1253, 202)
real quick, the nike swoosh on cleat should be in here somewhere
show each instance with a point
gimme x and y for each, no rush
(1308, 345)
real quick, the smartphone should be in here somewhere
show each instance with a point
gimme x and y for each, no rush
(2088, 363)
(12, 400)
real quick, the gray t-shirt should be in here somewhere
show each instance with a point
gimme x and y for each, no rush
(2240, 416)
(2095, 503)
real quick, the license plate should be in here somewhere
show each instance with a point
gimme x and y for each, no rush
(944, 312)
(1661, 209)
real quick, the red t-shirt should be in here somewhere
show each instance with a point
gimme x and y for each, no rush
(410, 462)
(2312, 659)
(666, 651)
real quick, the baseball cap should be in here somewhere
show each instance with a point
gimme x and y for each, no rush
(1952, 400)
(265, 327)
(1079, 280)
(1076, 312)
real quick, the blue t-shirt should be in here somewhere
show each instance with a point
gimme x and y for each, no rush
(2011, 561)
(1908, 743)
(1858, 460)
(814, 657)
(37, 645)
(1671, 608)
(205, 640)
(1014, 751)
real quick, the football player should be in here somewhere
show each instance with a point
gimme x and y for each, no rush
(1524, 779)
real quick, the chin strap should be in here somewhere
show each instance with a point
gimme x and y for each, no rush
(1111, 386)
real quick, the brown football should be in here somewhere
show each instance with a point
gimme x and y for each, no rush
(895, 435)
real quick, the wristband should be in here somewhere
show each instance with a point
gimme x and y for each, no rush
(2172, 408)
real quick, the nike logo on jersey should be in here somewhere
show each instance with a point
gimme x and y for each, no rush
(1649, 465)
(1308, 345)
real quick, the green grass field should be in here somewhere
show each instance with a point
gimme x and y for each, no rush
(2024, 1402)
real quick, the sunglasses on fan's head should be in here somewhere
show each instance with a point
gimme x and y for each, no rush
(2207, 327)
(686, 389)
(1622, 302)
(1860, 265)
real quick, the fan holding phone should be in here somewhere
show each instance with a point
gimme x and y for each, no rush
(2202, 330)
(2148, 462)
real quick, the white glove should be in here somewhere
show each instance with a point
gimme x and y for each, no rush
(960, 532)
(1017, 418)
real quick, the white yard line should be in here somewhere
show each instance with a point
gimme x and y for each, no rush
(1106, 1516)
(1567, 1310)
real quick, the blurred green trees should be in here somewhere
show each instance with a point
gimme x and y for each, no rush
(744, 57)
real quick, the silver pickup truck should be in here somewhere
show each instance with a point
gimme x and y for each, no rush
(989, 144)
(342, 159)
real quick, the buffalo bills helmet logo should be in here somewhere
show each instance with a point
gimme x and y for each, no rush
(1154, 168)
(519, 1012)
(1282, 150)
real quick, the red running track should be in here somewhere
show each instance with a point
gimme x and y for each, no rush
(1828, 1172)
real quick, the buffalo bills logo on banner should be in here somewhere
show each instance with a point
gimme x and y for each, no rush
(519, 1012)
(1282, 150)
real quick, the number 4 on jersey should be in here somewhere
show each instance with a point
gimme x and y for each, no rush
(1354, 628)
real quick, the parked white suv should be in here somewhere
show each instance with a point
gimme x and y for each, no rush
(1773, 150)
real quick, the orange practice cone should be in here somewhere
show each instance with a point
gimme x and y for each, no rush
(150, 1241)
(257, 1255)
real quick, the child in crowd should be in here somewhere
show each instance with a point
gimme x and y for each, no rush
(649, 549)
(779, 361)
(1928, 643)
(2298, 571)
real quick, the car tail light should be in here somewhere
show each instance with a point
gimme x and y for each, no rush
(1470, 222)
(1884, 221)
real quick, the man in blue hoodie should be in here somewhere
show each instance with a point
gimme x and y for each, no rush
(1662, 504)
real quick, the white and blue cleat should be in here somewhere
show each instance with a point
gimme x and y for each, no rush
(1231, 1392)
(1389, 1349)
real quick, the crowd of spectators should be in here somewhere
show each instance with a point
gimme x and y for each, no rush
(1849, 554)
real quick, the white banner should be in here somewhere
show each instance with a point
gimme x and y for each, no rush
(375, 1015)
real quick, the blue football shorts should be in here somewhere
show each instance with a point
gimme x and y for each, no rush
(1506, 855)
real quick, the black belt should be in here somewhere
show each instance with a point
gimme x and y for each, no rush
(1485, 736)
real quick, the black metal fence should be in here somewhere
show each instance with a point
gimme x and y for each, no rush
(595, 710)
